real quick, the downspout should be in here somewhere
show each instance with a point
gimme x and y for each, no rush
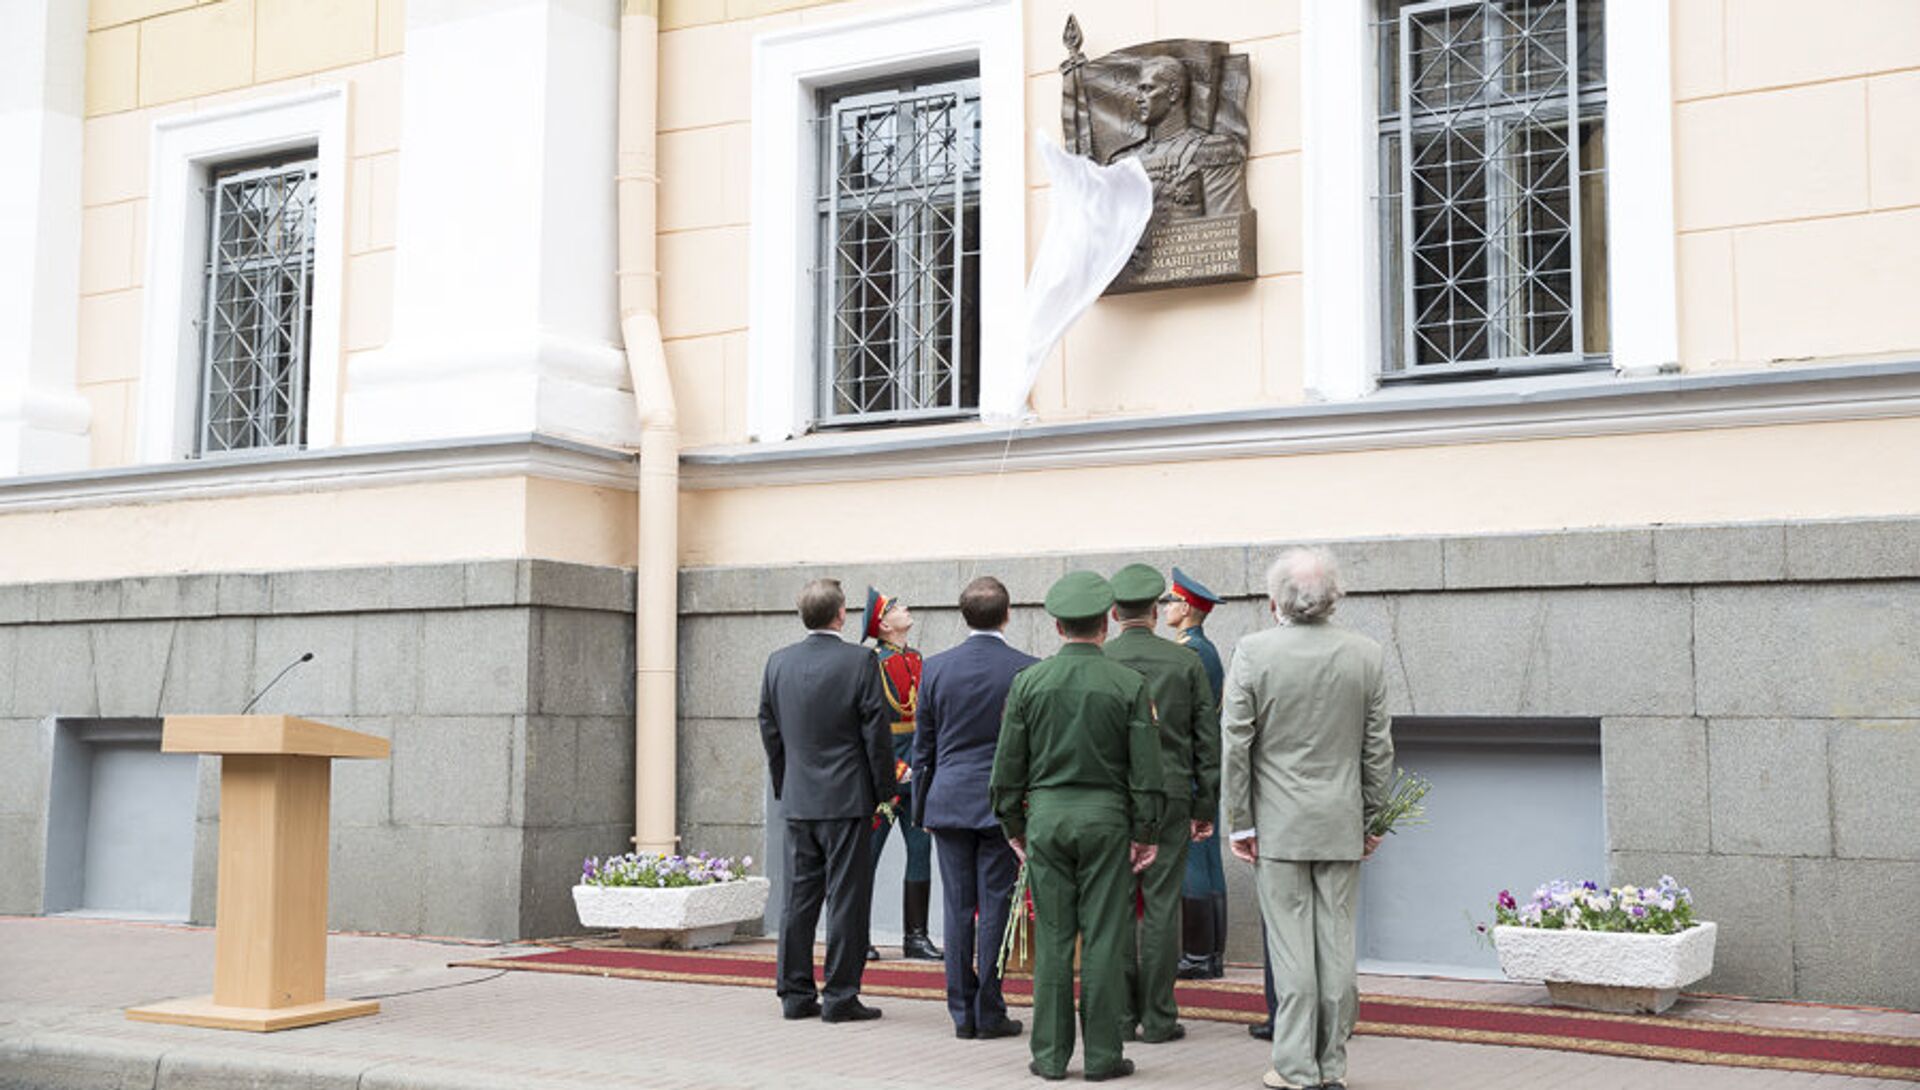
(656, 591)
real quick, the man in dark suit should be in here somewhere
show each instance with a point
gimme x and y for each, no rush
(824, 722)
(962, 694)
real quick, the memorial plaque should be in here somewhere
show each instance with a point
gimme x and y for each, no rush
(1179, 106)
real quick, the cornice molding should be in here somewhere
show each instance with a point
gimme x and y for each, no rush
(541, 456)
(1567, 407)
(1571, 406)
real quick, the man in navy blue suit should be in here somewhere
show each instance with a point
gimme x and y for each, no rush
(962, 695)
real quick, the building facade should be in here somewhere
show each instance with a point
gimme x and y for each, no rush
(1581, 332)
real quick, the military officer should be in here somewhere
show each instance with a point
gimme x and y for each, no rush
(1076, 786)
(1189, 722)
(888, 620)
(1195, 172)
(1203, 893)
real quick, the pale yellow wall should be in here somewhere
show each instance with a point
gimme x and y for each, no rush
(403, 524)
(1804, 471)
(1135, 354)
(1798, 203)
(1797, 180)
(1728, 475)
(1128, 356)
(1798, 199)
(705, 177)
(149, 59)
(580, 523)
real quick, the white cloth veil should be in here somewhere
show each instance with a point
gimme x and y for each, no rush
(1095, 217)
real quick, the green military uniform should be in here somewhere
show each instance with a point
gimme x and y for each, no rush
(1190, 767)
(1077, 776)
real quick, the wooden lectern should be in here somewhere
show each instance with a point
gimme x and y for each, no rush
(270, 935)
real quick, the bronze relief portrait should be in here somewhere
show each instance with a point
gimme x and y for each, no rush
(1179, 106)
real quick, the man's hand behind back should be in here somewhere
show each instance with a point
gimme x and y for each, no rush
(1141, 856)
(1247, 848)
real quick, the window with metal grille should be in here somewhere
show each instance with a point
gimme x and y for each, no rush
(898, 274)
(1492, 185)
(259, 307)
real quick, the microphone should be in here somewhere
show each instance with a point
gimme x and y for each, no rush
(284, 671)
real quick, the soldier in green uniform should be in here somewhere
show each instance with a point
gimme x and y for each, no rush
(1076, 785)
(1189, 721)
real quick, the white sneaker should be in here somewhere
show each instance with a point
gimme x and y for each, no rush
(1272, 1081)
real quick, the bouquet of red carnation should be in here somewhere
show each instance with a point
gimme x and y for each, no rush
(1017, 942)
(890, 809)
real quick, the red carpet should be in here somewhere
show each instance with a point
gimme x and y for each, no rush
(1652, 1038)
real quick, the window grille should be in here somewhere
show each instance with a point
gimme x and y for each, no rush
(898, 277)
(1492, 185)
(259, 307)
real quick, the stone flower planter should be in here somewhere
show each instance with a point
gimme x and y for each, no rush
(688, 917)
(1606, 970)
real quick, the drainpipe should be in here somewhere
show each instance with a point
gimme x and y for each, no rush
(657, 565)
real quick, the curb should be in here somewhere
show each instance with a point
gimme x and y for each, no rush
(65, 1061)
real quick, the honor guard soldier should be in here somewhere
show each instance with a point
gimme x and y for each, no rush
(1189, 724)
(1076, 785)
(1203, 894)
(887, 622)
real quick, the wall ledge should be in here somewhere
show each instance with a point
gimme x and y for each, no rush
(400, 588)
(1677, 556)
(526, 455)
(1406, 415)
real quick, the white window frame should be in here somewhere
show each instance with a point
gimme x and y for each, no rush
(185, 152)
(1341, 238)
(789, 69)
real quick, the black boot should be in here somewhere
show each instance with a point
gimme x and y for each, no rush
(1217, 963)
(916, 944)
(1196, 938)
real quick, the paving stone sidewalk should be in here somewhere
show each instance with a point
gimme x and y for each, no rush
(65, 982)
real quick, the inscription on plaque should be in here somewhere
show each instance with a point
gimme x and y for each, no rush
(1178, 253)
(1179, 106)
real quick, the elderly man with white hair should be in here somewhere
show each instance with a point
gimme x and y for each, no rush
(1307, 760)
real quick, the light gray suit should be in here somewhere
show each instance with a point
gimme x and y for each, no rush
(1308, 757)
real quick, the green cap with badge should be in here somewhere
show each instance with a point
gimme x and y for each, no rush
(1079, 594)
(1138, 583)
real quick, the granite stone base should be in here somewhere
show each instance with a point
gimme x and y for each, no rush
(505, 687)
(1760, 715)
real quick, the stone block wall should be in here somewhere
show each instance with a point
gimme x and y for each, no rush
(1760, 714)
(506, 688)
(1759, 707)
